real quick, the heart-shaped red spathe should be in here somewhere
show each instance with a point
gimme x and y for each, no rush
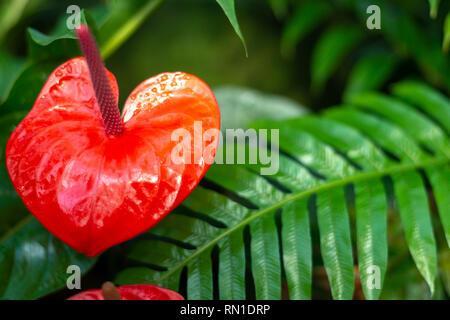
(132, 292)
(93, 190)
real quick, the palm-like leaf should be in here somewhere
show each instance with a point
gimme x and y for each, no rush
(241, 234)
(402, 36)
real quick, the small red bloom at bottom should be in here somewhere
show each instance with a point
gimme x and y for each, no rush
(130, 292)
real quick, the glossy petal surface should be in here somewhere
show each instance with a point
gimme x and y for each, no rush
(132, 292)
(93, 190)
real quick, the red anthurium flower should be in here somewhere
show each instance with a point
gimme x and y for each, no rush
(95, 178)
(128, 292)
